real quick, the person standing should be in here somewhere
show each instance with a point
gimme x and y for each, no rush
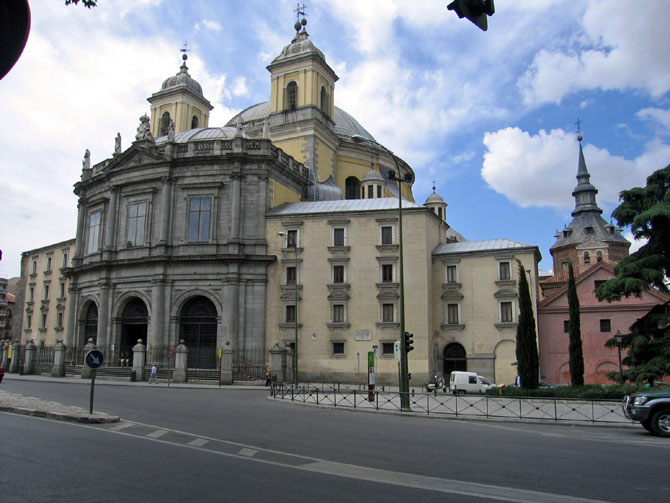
(268, 376)
(154, 375)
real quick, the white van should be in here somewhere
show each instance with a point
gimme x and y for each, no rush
(468, 382)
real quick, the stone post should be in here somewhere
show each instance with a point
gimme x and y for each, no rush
(85, 369)
(15, 365)
(180, 362)
(287, 364)
(139, 358)
(58, 369)
(276, 359)
(29, 360)
(226, 366)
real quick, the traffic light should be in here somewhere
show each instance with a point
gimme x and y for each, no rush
(475, 10)
(408, 342)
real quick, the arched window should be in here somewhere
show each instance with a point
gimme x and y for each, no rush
(197, 325)
(292, 96)
(165, 123)
(194, 122)
(587, 258)
(351, 185)
(91, 323)
(324, 101)
(454, 359)
(599, 256)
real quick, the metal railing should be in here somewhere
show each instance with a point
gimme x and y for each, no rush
(483, 406)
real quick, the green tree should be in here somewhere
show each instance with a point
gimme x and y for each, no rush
(575, 350)
(86, 3)
(647, 212)
(526, 337)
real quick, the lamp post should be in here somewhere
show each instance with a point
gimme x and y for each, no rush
(295, 321)
(619, 339)
(403, 383)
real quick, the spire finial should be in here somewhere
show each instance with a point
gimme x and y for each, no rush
(579, 130)
(300, 14)
(433, 186)
(184, 49)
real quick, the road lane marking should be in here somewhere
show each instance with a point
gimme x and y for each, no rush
(157, 433)
(247, 452)
(198, 442)
(121, 426)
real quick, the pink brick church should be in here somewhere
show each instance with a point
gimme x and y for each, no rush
(594, 247)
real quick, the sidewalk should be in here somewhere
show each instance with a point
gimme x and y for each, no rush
(31, 406)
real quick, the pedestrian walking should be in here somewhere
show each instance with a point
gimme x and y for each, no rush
(268, 376)
(154, 376)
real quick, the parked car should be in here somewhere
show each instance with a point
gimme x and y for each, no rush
(468, 382)
(651, 409)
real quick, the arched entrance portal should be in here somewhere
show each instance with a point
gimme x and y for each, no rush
(91, 324)
(133, 327)
(197, 326)
(454, 358)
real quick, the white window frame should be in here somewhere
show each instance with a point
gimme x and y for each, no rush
(295, 312)
(136, 229)
(459, 318)
(381, 233)
(500, 312)
(343, 354)
(200, 238)
(394, 312)
(393, 272)
(446, 273)
(94, 233)
(286, 279)
(344, 274)
(333, 305)
(287, 234)
(335, 228)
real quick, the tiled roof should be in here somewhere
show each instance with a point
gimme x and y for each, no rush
(342, 205)
(475, 246)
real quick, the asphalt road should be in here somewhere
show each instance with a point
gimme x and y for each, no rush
(182, 444)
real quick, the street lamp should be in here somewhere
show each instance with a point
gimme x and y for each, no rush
(403, 384)
(619, 339)
(295, 320)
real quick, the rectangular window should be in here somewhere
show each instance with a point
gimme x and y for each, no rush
(452, 276)
(94, 228)
(46, 291)
(370, 191)
(62, 290)
(60, 320)
(506, 315)
(338, 237)
(598, 282)
(387, 273)
(292, 238)
(605, 326)
(291, 275)
(44, 321)
(387, 313)
(29, 321)
(566, 326)
(387, 235)
(290, 314)
(137, 213)
(338, 313)
(504, 270)
(199, 214)
(48, 264)
(31, 295)
(388, 349)
(379, 191)
(452, 314)
(34, 267)
(338, 274)
(64, 259)
(337, 348)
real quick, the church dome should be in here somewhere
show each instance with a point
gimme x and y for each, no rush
(182, 79)
(372, 175)
(434, 198)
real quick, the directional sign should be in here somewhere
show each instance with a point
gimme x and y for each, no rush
(94, 358)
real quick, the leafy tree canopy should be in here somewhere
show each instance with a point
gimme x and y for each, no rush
(86, 3)
(647, 212)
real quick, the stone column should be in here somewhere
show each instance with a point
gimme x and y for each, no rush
(81, 222)
(29, 361)
(164, 237)
(157, 338)
(58, 369)
(72, 302)
(180, 363)
(276, 358)
(103, 316)
(139, 357)
(110, 222)
(14, 365)
(227, 366)
(85, 369)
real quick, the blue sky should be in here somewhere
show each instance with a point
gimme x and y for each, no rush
(489, 116)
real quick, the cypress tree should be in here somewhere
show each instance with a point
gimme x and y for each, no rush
(526, 337)
(575, 332)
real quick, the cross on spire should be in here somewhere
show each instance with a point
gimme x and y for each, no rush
(300, 11)
(579, 130)
(184, 48)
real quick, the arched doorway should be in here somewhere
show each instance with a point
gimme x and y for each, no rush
(197, 326)
(454, 358)
(91, 324)
(133, 327)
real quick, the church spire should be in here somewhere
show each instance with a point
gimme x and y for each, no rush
(584, 193)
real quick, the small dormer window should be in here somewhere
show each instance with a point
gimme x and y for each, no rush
(194, 122)
(588, 230)
(165, 123)
(292, 96)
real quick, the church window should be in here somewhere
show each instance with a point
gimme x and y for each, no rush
(605, 325)
(194, 122)
(44, 321)
(292, 96)
(338, 236)
(94, 228)
(387, 234)
(46, 292)
(29, 321)
(137, 213)
(324, 101)
(338, 274)
(34, 270)
(199, 215)
(589, 230)
(338, 313)
(379, 191)
(290, 313)
(387, 313)
(387, 273)
(48, 269)
(439, 213)
(291, 275)
(452, 314)
(587, 258)
(452, 274)
(351, 188)
(371, 193)
(165, 123)
(292, 238)
(504, 270)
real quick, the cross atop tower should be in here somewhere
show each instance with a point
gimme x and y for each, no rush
(300, 11)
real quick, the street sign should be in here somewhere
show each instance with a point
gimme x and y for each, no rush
(94, 358)
(396, 350)
(170, 354)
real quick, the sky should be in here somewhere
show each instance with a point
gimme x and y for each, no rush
(489, 117)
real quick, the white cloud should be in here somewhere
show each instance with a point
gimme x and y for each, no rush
(540, 170)
(625, 47)
(635, 244)
(207, 24)
(658, 115)
(240, 87)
